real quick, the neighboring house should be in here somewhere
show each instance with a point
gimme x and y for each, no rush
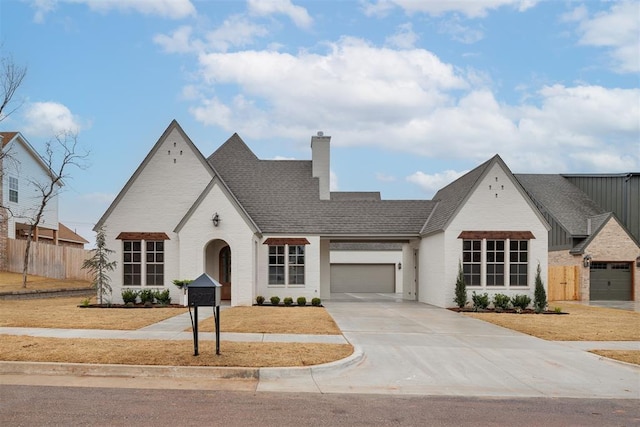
(22, 166)
(266, 227)
(65, 237)
(587, 235)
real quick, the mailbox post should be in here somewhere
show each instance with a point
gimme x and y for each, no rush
(204, 292)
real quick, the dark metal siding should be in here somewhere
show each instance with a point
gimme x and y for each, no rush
(619, 194)
(558, 237)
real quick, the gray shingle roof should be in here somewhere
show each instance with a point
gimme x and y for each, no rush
(281, 196)
(566, 203)
(452, 196)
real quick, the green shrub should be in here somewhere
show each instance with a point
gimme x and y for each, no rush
(129, 296)
(461, 289)
(301, 301)
(275, 300)
(557, 310)
(287, 301)
(521, 302)
(480, 301)
(259, 300)
(162, 297)
(147, 296)
(85, 302)
(501, 302)
(540, 296)
(182, 284)
(316, 302)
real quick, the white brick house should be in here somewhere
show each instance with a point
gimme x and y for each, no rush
(265, 227)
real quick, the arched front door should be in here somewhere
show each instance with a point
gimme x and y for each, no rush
(225, 272)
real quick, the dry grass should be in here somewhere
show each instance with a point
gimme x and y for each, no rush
(170, 353)
(274, 320)
(65, 313)
(12, 282)
(629, 356)
(583, 323)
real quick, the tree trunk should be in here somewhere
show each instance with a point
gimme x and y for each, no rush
(25, 266)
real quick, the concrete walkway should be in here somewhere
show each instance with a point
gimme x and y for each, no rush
(172, 329)
(401, 348)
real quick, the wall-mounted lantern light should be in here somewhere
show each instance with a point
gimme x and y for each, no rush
(586, 261)
(399, 266)
(215, 219)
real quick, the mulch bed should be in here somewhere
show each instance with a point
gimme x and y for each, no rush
(508, 311)
(130, 306)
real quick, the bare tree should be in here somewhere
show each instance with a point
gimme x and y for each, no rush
(61, 153)
(11, 77)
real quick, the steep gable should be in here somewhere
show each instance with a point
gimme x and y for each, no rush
(172, 175)
(454, 196)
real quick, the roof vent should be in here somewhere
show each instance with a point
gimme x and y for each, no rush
(320, 133)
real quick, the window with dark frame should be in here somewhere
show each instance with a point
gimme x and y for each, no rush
(132, 262)
(286, 264)
(518, 262)
(495, 262)
(155, 262)
(276, 265)
(471, 261)
(296, 265)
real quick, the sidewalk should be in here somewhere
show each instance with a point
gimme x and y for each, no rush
(173, 328)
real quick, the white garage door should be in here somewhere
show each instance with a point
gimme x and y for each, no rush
(355, 278)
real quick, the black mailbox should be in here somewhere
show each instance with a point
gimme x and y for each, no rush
(204, 292)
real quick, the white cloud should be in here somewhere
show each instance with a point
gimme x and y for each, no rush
(297, 14)
(235, 31)
(460, 32)
(172, 9)
(283, 158)
(432, 183)
(49, 118)
(333, 181)
(179, 41)
(410, 101)
(617, 29)
(404, 38)
(469, 8)
(384, 177)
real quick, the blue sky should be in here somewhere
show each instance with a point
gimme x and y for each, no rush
(413, 93)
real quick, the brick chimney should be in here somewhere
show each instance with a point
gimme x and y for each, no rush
(321, 163)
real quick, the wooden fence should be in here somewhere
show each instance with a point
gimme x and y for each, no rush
(57, 262)
(564, 283)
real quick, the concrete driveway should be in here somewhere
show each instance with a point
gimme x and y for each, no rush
(414, 348)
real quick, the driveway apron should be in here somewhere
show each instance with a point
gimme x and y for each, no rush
(415, 348)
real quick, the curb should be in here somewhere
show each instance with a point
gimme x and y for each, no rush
(144, 371)
(299, 371)
(151, 371)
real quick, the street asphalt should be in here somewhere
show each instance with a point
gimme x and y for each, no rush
(402, 348)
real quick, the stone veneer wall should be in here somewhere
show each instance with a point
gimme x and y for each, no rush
(612, 244)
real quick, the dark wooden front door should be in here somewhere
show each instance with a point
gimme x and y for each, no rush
(225, 272)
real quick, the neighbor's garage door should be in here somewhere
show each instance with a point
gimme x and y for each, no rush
(610, 281)
(363, 278)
